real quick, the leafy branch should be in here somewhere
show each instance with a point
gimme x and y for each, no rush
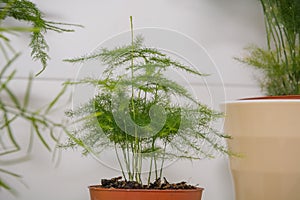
(13, 109)
(23, 10)
(280, 62)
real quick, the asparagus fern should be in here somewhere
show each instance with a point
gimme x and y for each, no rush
(13, 108)
(134, 112)
(280, 61)
(26, 11)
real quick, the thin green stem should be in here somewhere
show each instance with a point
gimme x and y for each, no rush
(137, 147)
(163, 160)
(270, 34)
(155, 166)
(281, 35)
(151, 162)
(140, 163)
(133, 160)
(119, 161)
(4, 52)
(128, 156)
(150, 170)
(269, 30)
(126, 163)
(132, 66)
(8, 128)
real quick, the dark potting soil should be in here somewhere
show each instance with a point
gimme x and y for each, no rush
(118, 183)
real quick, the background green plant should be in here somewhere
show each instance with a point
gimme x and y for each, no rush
(12, 108)
(134, 112)
(280, 61)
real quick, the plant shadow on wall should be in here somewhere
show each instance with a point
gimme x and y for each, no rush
(134, 113)
(14, 110)
(280, 62)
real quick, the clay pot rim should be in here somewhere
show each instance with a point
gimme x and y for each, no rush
(265, 99)
(96, 187)
(283, 97)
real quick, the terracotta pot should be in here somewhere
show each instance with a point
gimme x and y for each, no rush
(98, 193)
(266, 131)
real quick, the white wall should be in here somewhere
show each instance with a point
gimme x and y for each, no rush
(222, 27)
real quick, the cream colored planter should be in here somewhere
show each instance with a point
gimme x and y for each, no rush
(267, 134)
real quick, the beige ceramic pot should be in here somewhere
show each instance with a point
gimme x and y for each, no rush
(98, 193)
(266, 131)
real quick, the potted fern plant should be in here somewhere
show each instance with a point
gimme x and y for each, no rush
(133, 112)
(266, 129)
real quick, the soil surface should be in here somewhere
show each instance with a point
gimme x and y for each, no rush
(118, 183)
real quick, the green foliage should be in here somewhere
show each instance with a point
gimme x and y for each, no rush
(134, 112)
(12, 108)
(280, 62)
(26, 11)
(279, 77)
